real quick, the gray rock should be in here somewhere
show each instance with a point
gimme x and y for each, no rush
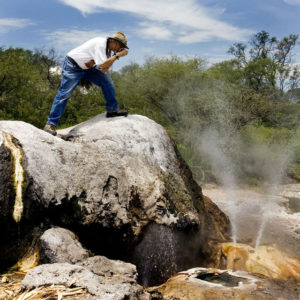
(59, 245)
(108, 288)
(103, 266)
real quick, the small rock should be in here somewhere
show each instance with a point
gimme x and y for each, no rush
(103, 266)
(59, 245)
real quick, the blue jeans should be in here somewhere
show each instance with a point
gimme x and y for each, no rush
(71, 76)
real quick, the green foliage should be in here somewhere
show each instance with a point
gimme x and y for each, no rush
(145, 89)
(24, 91)
(268, 61)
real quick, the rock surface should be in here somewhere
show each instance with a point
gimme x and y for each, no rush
(102, 266)
(264, 260)
(118, 171)
(118, 286)
(59, 245)
(212, 284)
(107, 180)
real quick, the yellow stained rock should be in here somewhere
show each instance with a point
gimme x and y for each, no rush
(16, 152)
(264, 260)
(188, 285)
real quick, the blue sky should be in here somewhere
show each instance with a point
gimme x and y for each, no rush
(187, 28)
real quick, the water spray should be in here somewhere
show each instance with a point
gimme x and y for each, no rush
(275, 174)
(222, 167)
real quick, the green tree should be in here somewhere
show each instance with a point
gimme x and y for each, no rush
(25, 93)
(268, 61)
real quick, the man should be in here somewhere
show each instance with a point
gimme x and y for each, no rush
(90, 62)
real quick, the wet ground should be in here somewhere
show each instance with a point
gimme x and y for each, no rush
(275, 218)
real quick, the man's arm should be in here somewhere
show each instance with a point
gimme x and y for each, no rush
(108, 63)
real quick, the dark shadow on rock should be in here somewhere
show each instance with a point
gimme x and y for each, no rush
(111, 242)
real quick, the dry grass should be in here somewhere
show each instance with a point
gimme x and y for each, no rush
(11, 289)
(11, 286)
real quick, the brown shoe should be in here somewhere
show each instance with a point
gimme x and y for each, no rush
(50, 128)
(117, 113)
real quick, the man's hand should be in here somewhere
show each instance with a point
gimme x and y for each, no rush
(122, 52)
(90, 63)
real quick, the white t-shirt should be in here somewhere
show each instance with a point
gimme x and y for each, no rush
(92, 49)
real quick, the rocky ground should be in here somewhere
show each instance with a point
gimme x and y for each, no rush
(214, 284)
(71, 272)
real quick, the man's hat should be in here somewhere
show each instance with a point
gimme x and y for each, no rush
(120, 37)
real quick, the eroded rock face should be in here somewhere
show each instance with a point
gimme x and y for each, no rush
(110, 287)
(211, 284)
(108, 180)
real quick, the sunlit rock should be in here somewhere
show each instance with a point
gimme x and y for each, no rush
(212, 284)
(264, 260)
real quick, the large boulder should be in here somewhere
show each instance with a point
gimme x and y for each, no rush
(109, 181)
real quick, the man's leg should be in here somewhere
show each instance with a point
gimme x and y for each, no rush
(107, 86)
(70, 79)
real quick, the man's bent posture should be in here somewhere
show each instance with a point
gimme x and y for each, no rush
(90, 62)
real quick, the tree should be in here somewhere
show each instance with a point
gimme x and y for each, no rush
(25, 93)
(267, 64)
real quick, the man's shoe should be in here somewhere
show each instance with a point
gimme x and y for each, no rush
(50, 128)
(117, 113)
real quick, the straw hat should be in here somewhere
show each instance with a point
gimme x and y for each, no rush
(120, 37)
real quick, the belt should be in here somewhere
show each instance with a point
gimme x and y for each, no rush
(74, 63)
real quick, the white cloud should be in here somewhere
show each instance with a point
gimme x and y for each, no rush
(292, 2)
(66, 40)
(7, 24)
(184, 21)
(152, 31)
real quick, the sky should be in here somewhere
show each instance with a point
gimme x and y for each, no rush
(186, 28)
